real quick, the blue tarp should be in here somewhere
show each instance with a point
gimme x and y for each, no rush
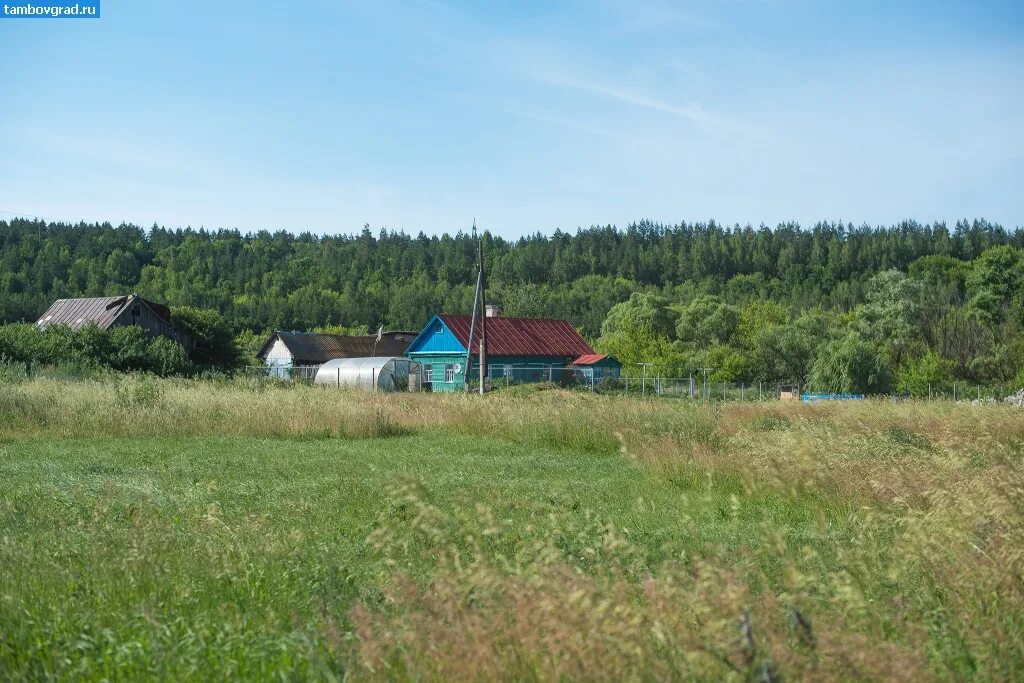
(808, 398)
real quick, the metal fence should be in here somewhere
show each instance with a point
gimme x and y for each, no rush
(598, 380)
(294, 373)
(692, 387)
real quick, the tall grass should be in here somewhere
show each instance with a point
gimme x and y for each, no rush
(867, 540)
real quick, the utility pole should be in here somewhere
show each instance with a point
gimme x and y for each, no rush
(483, 316)
(467, 373)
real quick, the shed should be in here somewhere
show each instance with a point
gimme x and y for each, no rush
(298, 349)
(597, 366)
(378, 373)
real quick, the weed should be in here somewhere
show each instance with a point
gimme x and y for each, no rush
(225, 531)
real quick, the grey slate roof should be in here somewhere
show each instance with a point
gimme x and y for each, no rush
(103, 311)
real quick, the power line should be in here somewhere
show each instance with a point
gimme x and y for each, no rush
(20, 214)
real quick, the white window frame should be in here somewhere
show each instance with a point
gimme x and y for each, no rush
(427, 370)
(449, 373)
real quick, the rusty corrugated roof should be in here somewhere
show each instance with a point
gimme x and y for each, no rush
(521, 336)
(318, 347)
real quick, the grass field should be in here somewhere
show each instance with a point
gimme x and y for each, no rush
(209, 530)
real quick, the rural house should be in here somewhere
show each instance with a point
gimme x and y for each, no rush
(526, 349)
(312, 349)
(114, 311)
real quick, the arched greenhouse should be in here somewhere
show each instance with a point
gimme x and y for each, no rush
(385, 373)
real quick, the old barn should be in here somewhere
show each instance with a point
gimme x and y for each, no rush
(114, 311)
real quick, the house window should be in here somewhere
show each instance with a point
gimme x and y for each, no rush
(449, 373)
(438, 329)
(428, 372)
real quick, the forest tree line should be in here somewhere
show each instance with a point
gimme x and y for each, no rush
(836, 305)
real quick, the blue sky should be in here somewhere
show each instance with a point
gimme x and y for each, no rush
(529, 116)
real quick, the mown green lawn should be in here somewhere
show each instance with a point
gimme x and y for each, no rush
(213, 557)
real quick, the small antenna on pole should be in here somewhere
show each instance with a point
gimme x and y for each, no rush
(474, 227)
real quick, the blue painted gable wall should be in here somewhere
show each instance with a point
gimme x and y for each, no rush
(432, 341)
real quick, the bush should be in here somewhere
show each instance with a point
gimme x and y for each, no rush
(123, 348)
(930, 370)
(167, 357)
(849, 365)
(214, 341)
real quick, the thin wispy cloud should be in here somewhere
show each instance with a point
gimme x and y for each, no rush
(690, 112)
(694, 113)
(540, 114)
(568, 123)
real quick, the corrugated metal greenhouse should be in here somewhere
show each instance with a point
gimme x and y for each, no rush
(383, 373)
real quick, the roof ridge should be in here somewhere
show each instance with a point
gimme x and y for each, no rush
(506, 317)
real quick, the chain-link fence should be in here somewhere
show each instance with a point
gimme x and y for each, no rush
(294, 373)
(655, 385)
(693, 387)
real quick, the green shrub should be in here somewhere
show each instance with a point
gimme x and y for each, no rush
(142, 393)
(167, 357)
(89, 348)
(769, 423)
(609, 385)
(849, 365)
(917, 376)
(214, 341)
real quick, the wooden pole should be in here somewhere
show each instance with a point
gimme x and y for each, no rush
(483, 318)
(467, 373)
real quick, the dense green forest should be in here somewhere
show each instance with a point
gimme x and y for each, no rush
(835, 304)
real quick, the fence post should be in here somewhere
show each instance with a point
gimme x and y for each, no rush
(742, 387)
(979, 392)
(760, 396)
(954, 392)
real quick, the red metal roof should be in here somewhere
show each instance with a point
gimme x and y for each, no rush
(589, 359)
(521, 336)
